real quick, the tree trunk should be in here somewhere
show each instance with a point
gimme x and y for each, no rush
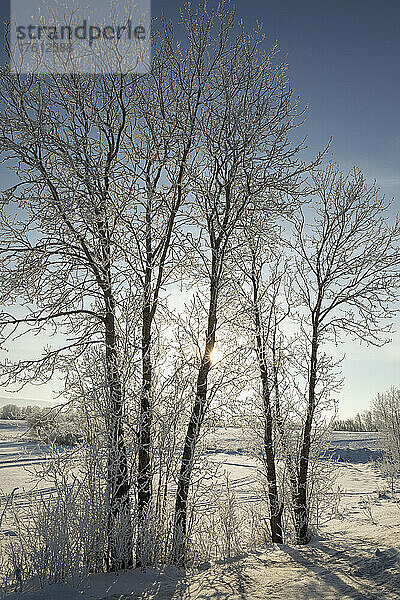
(120, 539)
(275, 507)
(144, 478)
(192, 435)
(301, 512)
(179, 539)
(281, 429)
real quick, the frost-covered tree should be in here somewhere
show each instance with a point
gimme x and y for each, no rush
(245, 154)
(346, 257)
(260, 286)
(170, 103)
(61, 237)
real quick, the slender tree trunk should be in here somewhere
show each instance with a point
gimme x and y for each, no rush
(290, 465)
(192, 434)
(281, 429)
(179, 539)
(120, 539)
(301, 512)
(275, 506)
(144, 479)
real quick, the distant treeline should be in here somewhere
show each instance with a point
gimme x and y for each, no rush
(12, 411)
(364, 422)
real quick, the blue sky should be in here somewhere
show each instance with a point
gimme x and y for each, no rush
(343, 61)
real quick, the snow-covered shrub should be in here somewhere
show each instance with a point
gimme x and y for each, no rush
(57, 427)
(386, 412)
(390, 469)
(216, 532)
(324, 494)
(7, 574)
(222, 525)
(60, 531)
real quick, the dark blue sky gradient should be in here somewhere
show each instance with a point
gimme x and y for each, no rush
(343, 61)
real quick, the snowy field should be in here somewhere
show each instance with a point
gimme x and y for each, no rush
(18, 459)
(356, 555)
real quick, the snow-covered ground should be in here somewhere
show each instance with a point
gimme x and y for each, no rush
(239, 440)
(18, 459)
(356, 555)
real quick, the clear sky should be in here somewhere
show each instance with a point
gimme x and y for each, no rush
(343, 58)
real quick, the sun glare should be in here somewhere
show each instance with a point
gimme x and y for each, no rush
(215, 355)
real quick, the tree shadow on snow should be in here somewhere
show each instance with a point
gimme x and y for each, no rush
(352, 569)
(227, 581)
